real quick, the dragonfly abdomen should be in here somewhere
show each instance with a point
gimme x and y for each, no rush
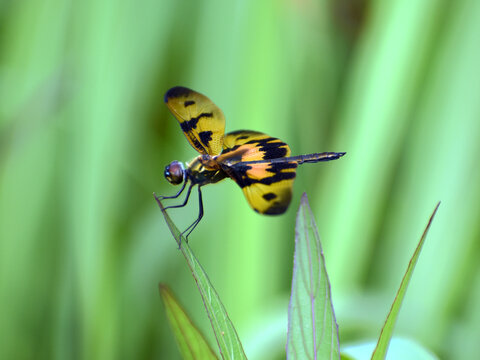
(313, 158)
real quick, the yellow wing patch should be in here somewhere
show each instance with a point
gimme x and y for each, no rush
(266, 185)
(202, 122)
(271, 199)
(246, 145)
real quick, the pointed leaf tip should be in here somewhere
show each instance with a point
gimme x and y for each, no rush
(304, 199)
(387, 330)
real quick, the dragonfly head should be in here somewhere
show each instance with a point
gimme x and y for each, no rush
(174, 172)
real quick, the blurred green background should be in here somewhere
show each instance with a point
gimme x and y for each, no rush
(85, 136)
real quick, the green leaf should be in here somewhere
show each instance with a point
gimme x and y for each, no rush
(387, 330)
(191, 342)
(312, 329)
(228, 342)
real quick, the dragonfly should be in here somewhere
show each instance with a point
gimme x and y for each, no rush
(260, 164)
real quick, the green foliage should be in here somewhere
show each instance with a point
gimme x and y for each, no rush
(312, 328)
(190, 340)
(227, 339)
(387, 330)
(84, 138)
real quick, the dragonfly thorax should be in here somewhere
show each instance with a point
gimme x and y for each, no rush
(175, 172)
(209, 162)
(204, 169)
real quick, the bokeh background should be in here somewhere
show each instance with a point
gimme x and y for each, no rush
(85, 136)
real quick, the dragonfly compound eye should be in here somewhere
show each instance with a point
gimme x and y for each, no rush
(174, 172)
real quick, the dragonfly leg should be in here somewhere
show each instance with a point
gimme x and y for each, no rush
(200, 215)
(176, 195)
(186, 198)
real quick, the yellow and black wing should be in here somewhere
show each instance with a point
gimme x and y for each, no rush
(256, 162)
(202, 122)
